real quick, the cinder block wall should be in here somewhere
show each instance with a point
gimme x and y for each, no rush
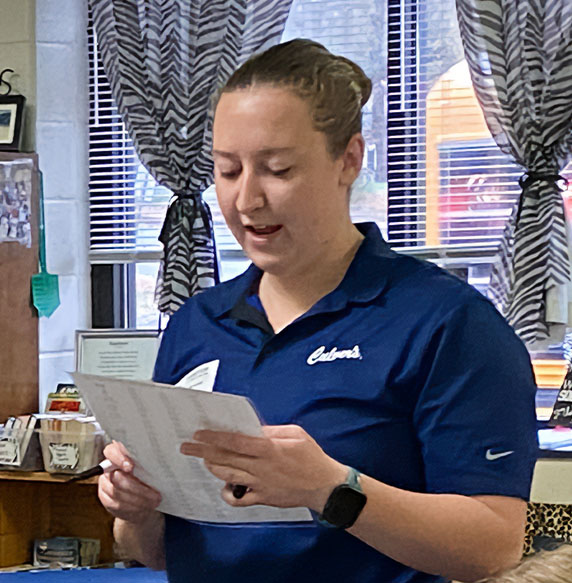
(18, 52)
(44, 41)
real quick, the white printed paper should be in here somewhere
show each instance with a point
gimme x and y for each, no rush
(122, 357)
(64, 456)
(153, 420)
(9, 451)
(201, 378)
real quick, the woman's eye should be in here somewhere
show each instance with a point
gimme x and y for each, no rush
(228, 173)
(281, 172)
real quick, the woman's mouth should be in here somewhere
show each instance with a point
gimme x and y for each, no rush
(263, 229)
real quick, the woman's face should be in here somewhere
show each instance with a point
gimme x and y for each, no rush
(282, 195)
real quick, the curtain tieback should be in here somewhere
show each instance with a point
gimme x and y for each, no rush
(173, 211)
(529, 177)
(185, 195)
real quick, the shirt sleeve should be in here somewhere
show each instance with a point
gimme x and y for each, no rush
(475, 415)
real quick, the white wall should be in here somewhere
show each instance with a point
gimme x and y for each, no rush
(44, 41)
(62, 146)
(18, 52)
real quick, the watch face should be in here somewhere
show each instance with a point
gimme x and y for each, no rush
(343, 506)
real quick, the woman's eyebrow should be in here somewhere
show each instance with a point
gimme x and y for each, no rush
(223, 154)
(272, 151)
(265, 152)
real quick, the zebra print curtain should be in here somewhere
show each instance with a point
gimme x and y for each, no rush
(164, 59)
(520, 57)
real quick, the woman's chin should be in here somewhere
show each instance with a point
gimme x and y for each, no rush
(269, 263)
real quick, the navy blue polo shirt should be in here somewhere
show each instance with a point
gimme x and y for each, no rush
(403, 372)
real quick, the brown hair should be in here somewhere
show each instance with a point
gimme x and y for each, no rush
(335, 87)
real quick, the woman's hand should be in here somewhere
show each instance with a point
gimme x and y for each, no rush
(121, 493)
(285, 467)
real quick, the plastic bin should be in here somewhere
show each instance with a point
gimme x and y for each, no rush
(20, 450)
(67, 452)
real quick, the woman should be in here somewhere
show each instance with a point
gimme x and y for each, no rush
(389, 411)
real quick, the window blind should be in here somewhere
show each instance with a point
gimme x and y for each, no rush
(432, 178)
(448, 183)
(127, 206)
(358, 31)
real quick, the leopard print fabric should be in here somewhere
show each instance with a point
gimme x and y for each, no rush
(551, 520)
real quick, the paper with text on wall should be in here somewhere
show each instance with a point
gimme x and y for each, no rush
(152, 420)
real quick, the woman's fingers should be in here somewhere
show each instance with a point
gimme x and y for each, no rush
(230, 475)
(116, 453)
(246, 445)
(130, 485)
(120, 492)
(126, 492)
(194, 449)
(216, 455)
(131, 510)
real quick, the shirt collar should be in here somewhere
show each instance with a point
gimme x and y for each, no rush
(367, 275)
(237, 290)
(365, 279)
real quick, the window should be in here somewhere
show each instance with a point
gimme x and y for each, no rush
(432, 178)
(127, 207)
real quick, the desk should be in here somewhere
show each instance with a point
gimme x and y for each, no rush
(39, 505)
(552, 481)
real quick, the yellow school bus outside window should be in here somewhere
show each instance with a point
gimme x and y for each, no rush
(453, 115)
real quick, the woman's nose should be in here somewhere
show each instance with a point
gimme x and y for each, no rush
(250, 194)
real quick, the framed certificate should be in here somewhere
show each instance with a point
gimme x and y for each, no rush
(11, 116)
(122, 354)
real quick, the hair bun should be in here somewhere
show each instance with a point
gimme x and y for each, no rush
(360, 82)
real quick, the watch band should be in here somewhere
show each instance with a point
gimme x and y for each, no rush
(353, 479)
(345, 503)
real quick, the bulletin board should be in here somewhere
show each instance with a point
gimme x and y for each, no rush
(18, 262)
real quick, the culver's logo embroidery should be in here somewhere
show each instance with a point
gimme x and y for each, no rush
(323, 355)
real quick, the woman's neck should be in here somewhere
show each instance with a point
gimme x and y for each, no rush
(285, 297)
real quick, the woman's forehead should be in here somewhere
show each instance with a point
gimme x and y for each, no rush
(260, 104)
(268, 116)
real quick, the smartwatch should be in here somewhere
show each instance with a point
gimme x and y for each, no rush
(345, 503)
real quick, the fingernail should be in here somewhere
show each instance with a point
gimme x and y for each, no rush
(127, 466)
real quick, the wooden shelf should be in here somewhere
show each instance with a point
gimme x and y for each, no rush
(34, 504)
(42, 505)
(43, 477)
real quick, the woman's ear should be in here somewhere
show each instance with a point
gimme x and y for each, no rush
(352, 159)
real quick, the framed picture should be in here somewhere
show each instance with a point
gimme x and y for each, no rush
(122, 354)
(11, 117)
